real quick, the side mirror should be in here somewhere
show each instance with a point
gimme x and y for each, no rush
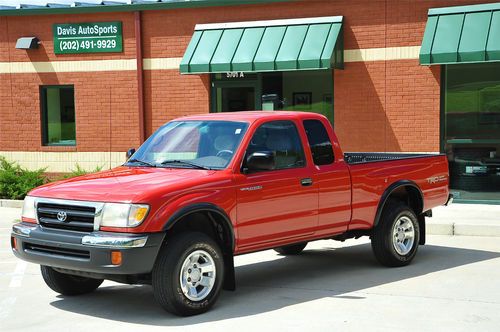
(130, 152)
(260, 161)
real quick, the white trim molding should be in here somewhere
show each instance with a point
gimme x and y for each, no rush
(67, 66)
(65, 162)
(270, 23)
(359, 55)
(162, 63)
(382, 54)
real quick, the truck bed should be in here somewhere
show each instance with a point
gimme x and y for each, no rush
(353, 158)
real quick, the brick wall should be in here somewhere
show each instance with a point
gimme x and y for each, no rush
(379, 106)
(105, 108)
(170, 95)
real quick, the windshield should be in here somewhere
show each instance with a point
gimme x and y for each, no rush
(191, 144)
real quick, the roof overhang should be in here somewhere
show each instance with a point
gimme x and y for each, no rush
(260, 46)
(82, 7)
(462, 34)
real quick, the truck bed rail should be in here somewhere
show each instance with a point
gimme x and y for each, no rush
(367, 157)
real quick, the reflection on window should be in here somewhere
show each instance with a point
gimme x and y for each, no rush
(472, 130)
(207, 143)
(58, 115)
(281, 138)
(307, 91)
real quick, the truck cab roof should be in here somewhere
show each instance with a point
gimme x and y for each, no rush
(252, 116)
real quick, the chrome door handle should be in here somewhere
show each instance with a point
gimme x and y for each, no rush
(306, 182)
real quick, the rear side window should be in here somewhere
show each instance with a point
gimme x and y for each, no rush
(282, 138)
(321, 146)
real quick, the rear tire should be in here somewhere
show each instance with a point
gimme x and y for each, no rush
(293, 249)
(188, 274)
(67, 284)
(395, 239)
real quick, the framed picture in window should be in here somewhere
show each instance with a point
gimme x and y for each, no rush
(302, 100)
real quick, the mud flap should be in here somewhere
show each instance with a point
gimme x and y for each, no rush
(421, 225)
(230, 275)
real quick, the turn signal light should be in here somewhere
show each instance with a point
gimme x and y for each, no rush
(116, 258)
(140, 214)
(13, 242)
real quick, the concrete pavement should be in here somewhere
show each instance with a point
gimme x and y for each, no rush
(452, 285)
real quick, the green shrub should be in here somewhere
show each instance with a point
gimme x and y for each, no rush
(16, 182)
(78, 171)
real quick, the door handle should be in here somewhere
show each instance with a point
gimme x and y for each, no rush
(306, 182)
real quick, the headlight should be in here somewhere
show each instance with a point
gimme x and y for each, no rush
(29, 211)
(123, 215)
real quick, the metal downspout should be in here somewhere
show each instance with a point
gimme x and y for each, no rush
(140, 74)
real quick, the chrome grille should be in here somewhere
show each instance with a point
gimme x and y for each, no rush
(71, 217)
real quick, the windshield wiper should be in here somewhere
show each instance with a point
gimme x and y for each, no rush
(142, 162)
(185, 162)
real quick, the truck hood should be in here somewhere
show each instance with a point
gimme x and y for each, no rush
(122, 184)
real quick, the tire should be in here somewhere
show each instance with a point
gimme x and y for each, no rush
(177, 261)
(293, 249)
(67, 284)
(398, 223)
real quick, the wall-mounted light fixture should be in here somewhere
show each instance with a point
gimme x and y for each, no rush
(27, 43)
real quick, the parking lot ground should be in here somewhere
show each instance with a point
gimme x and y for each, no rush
(452, 285)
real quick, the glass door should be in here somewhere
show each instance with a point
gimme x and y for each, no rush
(235, 96)
(472, 131)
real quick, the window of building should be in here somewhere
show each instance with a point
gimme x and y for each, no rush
(307, 91)
(281, 138)
(58, 115)
(321, 146)
(471, 129)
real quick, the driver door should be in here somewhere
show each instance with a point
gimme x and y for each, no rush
(279, 204)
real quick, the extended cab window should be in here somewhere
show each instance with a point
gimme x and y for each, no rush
(321, 146)
(281, 138)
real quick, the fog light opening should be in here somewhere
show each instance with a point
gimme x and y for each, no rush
(116, 258)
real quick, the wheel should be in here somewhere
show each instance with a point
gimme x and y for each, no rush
(293, 249)
(67, 284)
(395, 239)
(188, 274)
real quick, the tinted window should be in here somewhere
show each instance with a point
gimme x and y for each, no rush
(321, 146)
(58, 115)
(281, 138)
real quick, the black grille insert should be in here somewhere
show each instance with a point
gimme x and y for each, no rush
(56, 251)
(75, 218)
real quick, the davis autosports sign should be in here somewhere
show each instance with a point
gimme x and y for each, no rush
(95, 37)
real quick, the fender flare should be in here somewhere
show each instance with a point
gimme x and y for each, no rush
(387, 193)
(202, 207)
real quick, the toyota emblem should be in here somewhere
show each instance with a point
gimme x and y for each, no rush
(62, 216)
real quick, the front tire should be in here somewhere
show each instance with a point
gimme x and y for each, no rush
(188, 274)
(67, 284)
(395, 239)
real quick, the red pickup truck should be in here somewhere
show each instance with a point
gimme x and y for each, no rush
(203, 189)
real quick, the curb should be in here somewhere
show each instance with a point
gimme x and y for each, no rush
(11, 203)
(492, 230)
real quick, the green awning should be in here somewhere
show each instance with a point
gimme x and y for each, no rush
(295, 44)
(462, 34)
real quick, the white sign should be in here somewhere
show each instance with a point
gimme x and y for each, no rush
(235, 74)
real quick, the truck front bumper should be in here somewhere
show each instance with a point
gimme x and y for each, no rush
(86, 252)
